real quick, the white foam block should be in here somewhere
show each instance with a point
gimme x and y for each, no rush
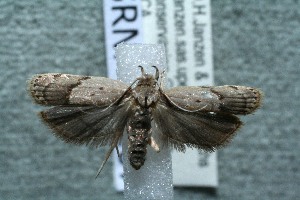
(154, 179)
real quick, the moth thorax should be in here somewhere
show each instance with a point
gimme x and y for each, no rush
(146, 91)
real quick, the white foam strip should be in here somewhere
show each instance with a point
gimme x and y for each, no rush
(154, 179)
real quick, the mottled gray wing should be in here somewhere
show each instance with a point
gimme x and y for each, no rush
(228, 99)
(65, 89)
(203, 130)
(88, 125)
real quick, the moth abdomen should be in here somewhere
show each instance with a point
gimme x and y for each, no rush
(138, 129)
(137, 150)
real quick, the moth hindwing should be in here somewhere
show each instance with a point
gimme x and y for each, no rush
(96, 110)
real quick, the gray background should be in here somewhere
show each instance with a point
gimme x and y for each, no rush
(256, 43)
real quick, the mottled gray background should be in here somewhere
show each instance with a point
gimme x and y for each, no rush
(255, 42)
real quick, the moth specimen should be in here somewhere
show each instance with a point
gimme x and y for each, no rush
(96, 110)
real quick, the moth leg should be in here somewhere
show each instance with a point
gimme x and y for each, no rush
(153, 144)
(113, 145)
(118, 152)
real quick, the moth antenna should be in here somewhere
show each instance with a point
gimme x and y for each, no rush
(142, 70)
(181, 108)
(156, 73)
(120, 98)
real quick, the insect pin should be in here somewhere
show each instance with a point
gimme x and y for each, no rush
(95, 111)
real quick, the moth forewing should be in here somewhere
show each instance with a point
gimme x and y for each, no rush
(66, 89)
(228, 99)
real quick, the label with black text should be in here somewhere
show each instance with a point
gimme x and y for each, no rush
(184, 27)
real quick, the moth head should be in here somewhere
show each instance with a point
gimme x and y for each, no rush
(148, 79)
(146, 89)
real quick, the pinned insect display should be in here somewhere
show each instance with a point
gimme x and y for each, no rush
(95, 111)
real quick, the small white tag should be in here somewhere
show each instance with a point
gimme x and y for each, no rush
(185, 29)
